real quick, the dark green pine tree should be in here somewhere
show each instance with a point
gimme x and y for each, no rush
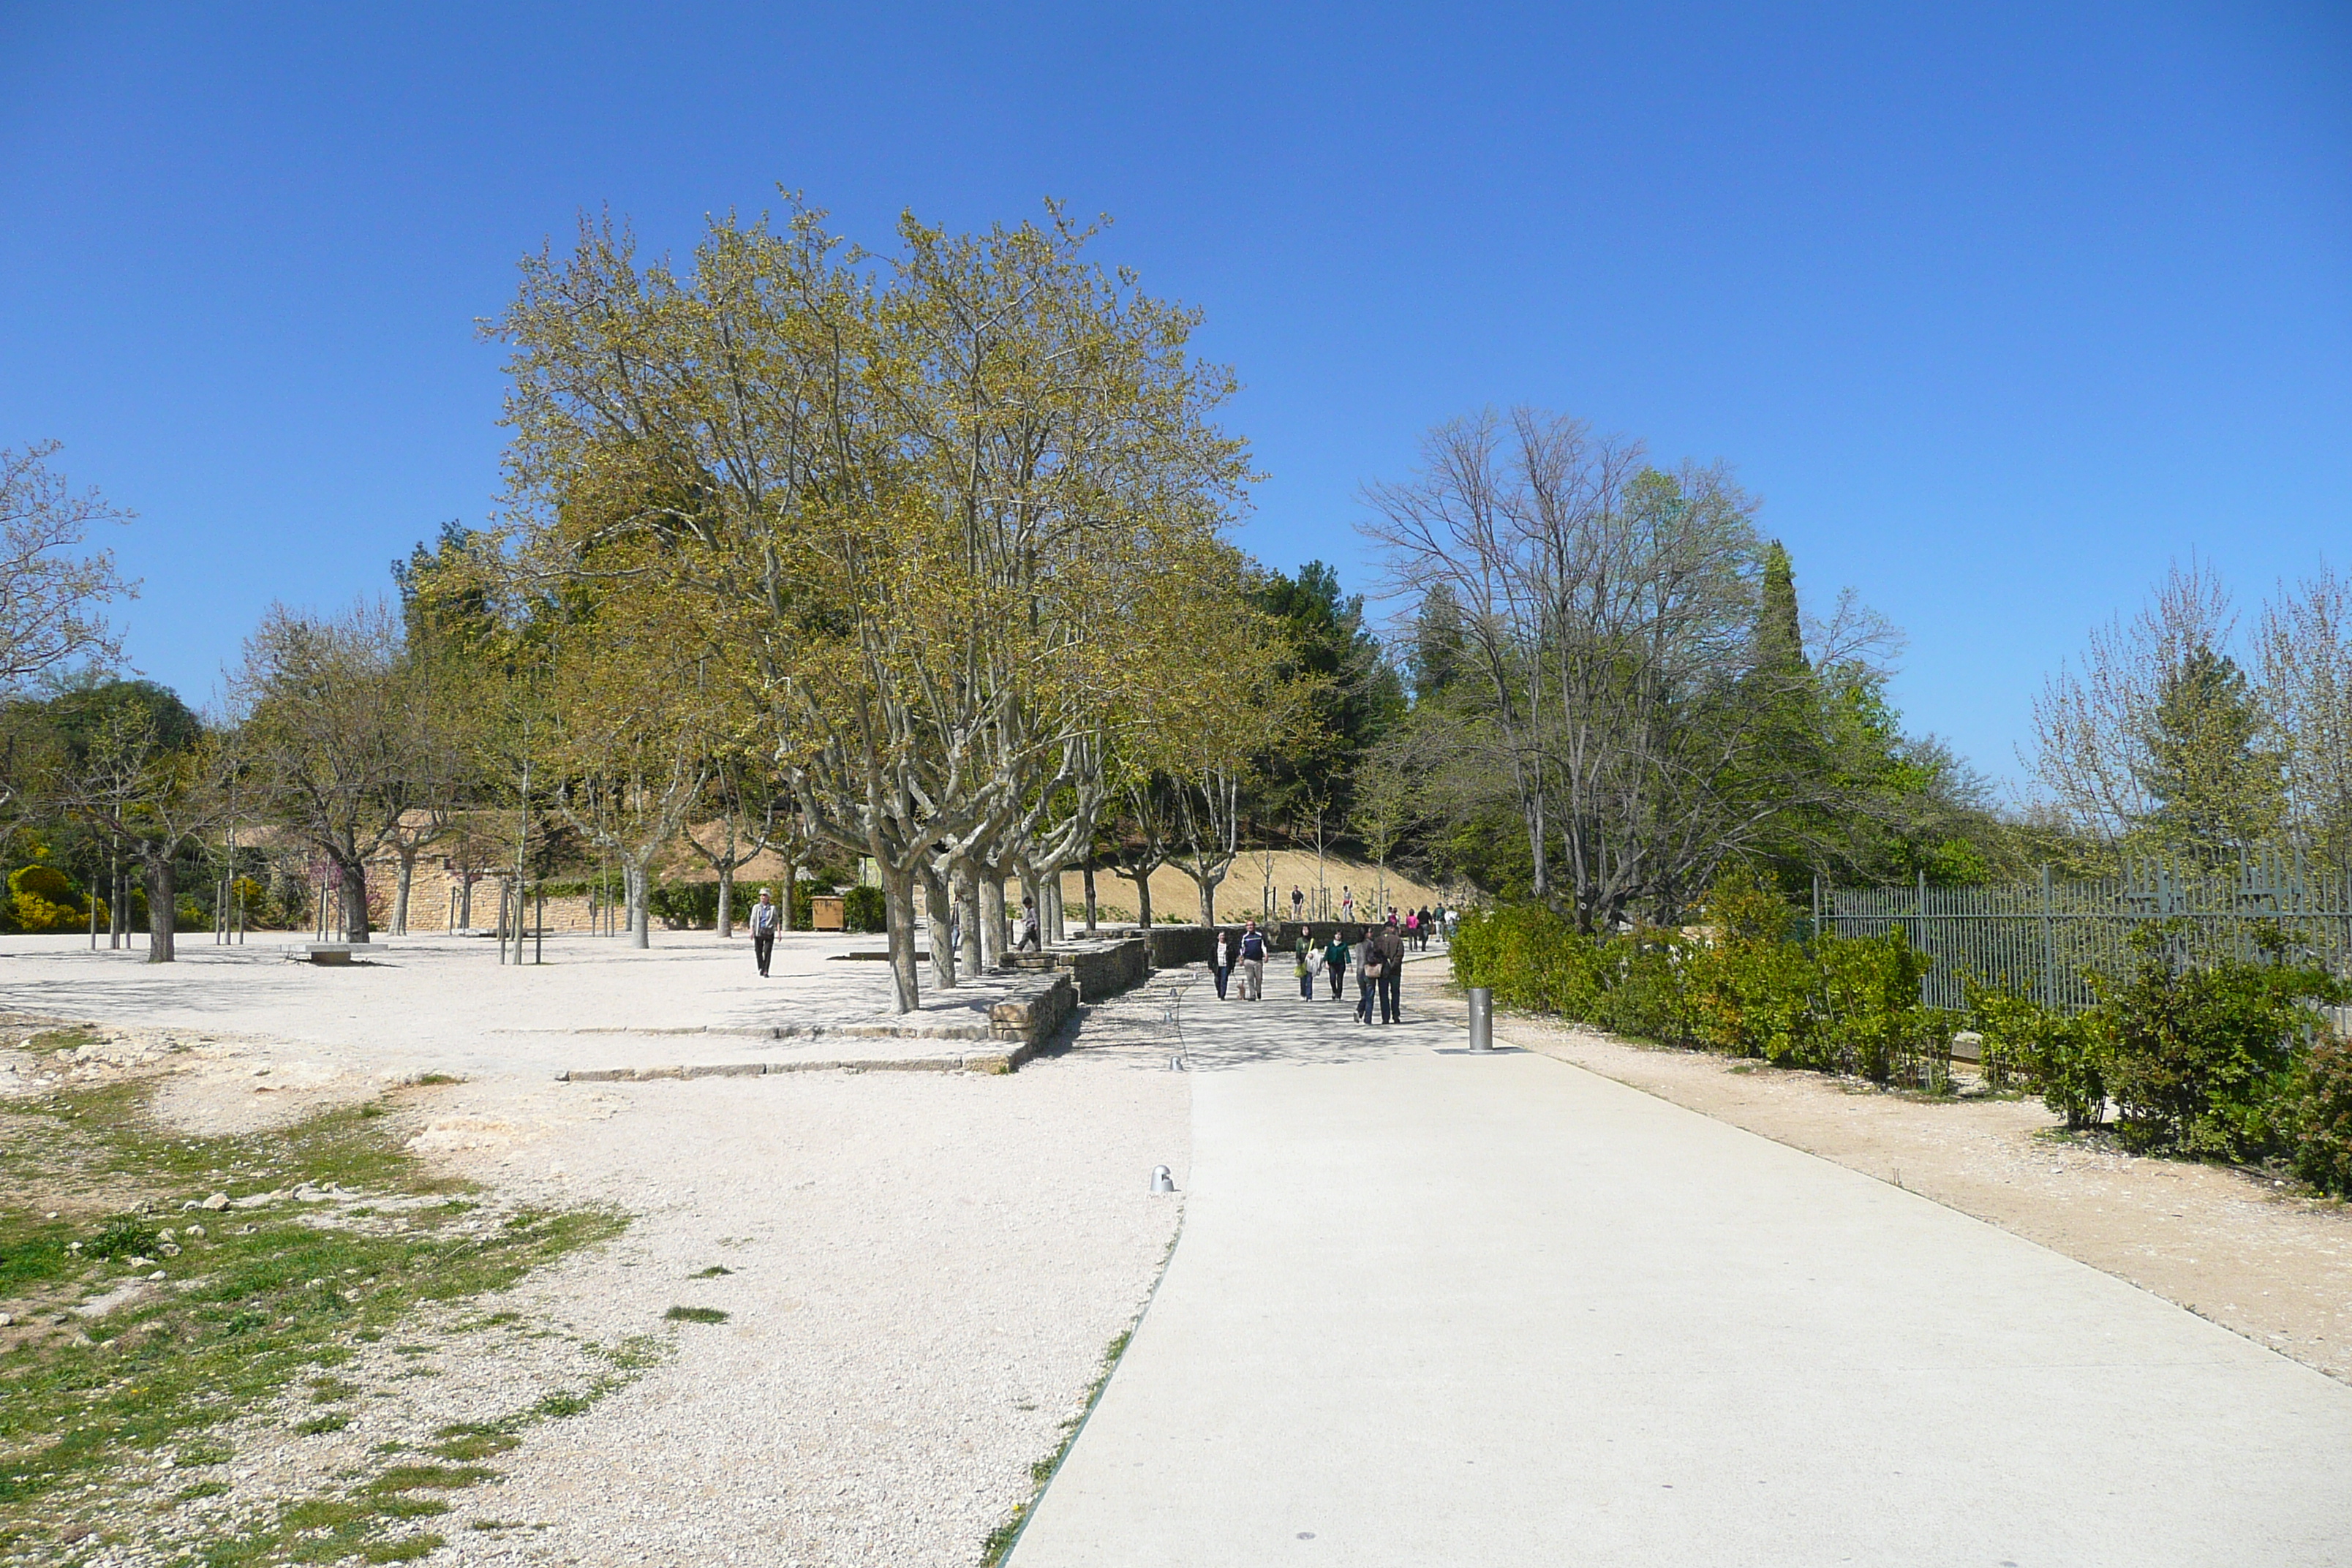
(1438, 643)
(2218, 789)
(1779, 631)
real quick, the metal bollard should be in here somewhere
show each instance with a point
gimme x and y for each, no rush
(1482, 1018)
(1162, 1180)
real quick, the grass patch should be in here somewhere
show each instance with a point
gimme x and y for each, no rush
(71, 1038)
(318, 1426)
(438, 1077)
(713, 1272)
(1000, 1539)
(258, 1301)
(695, 1315)
(469, 1441)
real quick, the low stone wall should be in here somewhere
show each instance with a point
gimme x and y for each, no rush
(992, 1036)
(1100, 968)
(1172, 947)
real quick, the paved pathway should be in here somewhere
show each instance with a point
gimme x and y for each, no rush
(1437, 1309)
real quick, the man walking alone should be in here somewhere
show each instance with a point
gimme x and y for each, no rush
(763, 931)
(1253, 963)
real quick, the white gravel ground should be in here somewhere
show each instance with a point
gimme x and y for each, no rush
(925, 1267)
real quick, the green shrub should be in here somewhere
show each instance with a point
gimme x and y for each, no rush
(684, 906)
(863, 910)
(2323, 1116)
(2202, 1060)
(1738, 984)
(44, 898)
(2060, 1056)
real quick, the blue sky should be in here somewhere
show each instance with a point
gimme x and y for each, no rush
(1999, 309)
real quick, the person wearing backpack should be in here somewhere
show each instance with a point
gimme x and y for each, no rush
(1252, 951)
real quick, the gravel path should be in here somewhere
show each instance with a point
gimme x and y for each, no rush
(926, 1270)
(921, 1271)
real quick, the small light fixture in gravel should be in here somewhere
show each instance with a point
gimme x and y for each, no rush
(1163, 1179)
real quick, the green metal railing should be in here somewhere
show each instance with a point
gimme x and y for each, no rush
(2045, 939)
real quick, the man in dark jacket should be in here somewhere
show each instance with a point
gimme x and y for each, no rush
(1390, 943)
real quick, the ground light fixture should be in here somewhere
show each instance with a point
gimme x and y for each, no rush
(1163, 1179)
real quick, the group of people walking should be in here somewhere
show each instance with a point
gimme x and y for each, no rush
(1377, 958)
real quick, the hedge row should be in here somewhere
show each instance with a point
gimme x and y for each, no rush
(2230, 1060)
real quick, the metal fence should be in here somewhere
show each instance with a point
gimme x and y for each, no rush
(2046, 939)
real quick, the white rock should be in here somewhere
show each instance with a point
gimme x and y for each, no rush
(215, 1203)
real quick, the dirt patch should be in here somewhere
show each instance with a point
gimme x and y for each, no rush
(2263, 1261)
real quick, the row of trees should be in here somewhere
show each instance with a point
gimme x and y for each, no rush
(2182, 730)
(1616, 693)
(933, 545)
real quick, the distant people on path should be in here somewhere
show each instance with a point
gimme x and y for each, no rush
(1224, 954)
(1367, 977)
(1453, 919)
(763, 931)
(1305, 953)
(1252, 951)
(1413, 930)
(1335, 959)
(1298, 903)
(1390, 944)
(1347, 905)
(1029, 938)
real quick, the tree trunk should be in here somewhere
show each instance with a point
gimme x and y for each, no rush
(937, 903)
(968, 902)
(791, 880)
(1055, 930)
(400, 892)
(1208, 886)
(992, 918)
(355, 909)
(898, 907)
(633, 882)
(163, 907)
(1090, 896)
(725, 902)
(1143, 899)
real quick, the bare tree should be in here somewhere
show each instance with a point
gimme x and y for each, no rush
(143, 771)
(1609, 663)
(50, 587)
(744, 829)
(340, 740)
(2155, 733)
(2305, 659)
(1208, 832)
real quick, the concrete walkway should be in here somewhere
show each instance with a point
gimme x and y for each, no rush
(1437, 1309)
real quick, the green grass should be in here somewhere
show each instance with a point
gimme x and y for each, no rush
(67, 1039)
(714, 1272)
(1000, 1539)
(695, 1315)
(257, 1305)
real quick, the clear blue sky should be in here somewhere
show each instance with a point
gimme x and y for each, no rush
(1998, 307)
